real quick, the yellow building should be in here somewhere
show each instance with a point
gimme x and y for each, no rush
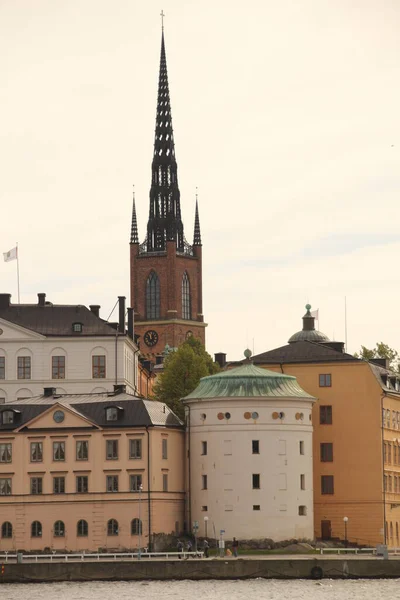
(89, 472)
(356, 436)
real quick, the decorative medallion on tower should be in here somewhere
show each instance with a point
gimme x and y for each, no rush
(166, 271)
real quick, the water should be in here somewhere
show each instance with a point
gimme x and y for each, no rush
(260, 589)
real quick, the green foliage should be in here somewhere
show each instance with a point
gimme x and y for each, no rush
(381, 350)
(182, 372)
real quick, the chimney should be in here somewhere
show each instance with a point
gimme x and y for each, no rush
(130, 323)
(49, 391)
(41, 299)
(220, 358)
(5, 300)
(121, 320)
(95, 309)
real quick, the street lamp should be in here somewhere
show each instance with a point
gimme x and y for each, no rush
(205, 525)
(345, 520)
(140, 521)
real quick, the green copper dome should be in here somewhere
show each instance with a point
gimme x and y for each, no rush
(248, 381)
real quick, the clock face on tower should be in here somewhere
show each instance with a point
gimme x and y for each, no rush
(150, 337)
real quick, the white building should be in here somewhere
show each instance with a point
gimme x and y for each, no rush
(69, 348)
(250, 455)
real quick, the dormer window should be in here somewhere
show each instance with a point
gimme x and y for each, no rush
(112, 413)
(77, 327)
(7, 417)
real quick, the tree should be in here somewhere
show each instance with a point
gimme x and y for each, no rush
(381, 350)
(182, 372)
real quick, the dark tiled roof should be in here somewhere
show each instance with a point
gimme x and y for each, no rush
(302, 352)
(56, 319)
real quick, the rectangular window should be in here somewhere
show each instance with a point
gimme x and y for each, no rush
(301, 447)
(204, 482)
(204, 508)
(255, 446)
(98, 367)
(36, 485)
(24, 367)
(59, 485)
(112, 449)
(165, 448)
(36, 451)
(82, 484)
(5, 486)
(165, 482)
(390, 453)
(135, 449)
(2, 367)
(5, 453)
(203, 448)
(256, 507)
(58, 367)
(325, 380)
(302, 482)
(82, 450)
(326, 452)
(302, 511)
(59, 451)
(112, 483)
(327, 484)
(325, 415)
(256, 481)
(135, 483)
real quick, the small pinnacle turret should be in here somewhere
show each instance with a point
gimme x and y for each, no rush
(197, 234)
(134, 228)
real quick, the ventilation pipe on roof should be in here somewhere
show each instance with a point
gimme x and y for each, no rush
(41, 299)
(95, 309)
(5, 300)
(220, 358)
(121, 320)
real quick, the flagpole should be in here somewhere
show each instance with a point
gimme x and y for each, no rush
(19, 302)
(345, 323)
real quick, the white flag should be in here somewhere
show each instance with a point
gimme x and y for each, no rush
(314, 313)
(11, 254)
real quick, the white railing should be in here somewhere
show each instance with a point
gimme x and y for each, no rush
(104, 556)
(356, 551)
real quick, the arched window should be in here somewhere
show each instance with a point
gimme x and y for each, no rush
(391, 530)
(36, 529)
(82, 528)
(6, 530)
(136, 527)
(186, 303)
(112, 527)
(153, 296)
(59, 529)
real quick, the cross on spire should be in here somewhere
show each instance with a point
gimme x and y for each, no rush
(162, 15)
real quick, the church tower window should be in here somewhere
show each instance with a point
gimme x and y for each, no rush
(186, 308)
(153, 296)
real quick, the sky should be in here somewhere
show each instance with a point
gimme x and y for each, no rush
(286, 119)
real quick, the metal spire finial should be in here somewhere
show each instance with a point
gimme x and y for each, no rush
(162, 15)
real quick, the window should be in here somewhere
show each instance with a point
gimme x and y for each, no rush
(112, 483)
(390, 453)
(165, 482)
(36, 529)
(59, 451)
(59, 529)
(256, 507)
(5, 486)
(204, 448)
(204, 508)
(256, 481)
(36, 451)
(255, 445)
(326, 484)
(82, 528)
(82, 484)
(204, 482)
(36, 485)
(153, 296)
(303, 511)
(24, 367)
(2, 367)
(325, 415)
(82, 450)
(325, 380)
(112, 413)
(136, 527)
(186, 308)
(135, 483)
(301, 444)
(7, 417)
(326, 452)
(99, 367)
(112, 449)
(59, 485)
(77, 327)
(302, 482)
(165, 448)
(135, 449)
(5, 453)
(58, 367)
(112, 527)
(6, 530)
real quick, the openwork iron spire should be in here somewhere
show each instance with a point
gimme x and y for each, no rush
(165, 223)
(197, 234)
(134, 228)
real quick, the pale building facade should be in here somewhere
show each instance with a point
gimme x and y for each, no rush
(89, 472)
(249, 434)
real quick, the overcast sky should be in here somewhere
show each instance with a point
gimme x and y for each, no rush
(286, 117)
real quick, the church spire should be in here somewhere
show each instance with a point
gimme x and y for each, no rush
(197, 234)
(134, 229)
(165, 223)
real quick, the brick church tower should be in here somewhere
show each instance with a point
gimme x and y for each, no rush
(166, 272)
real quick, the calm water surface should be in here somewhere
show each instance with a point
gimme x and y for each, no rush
(387, 589)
